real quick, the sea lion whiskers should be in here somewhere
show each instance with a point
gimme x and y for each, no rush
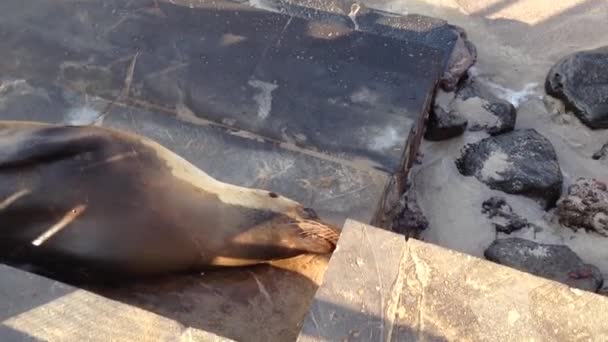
(112, 159)
(13, 198)
(313, 228)
(68, 218)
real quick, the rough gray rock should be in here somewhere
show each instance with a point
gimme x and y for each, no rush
(580, 80)
(443, 125)
(410, 220)
(602, 153)
(520, 162)
(585, 206)
(503, 218)
(505, 114)
(555, 262)
(463, 56)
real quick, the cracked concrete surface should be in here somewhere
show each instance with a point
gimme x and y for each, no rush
(364, 283)
(440, 295)
(178, 72)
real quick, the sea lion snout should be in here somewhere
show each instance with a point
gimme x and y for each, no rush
(308, 213)
(308, 233)
(286, 235)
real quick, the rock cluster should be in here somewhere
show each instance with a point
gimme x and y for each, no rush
(524, 162)
(504, 219)
(585, 206)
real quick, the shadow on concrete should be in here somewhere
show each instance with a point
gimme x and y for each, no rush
(27, 296)
(24, 293)
(496, 7)
(8, 334)
(258, 303)
(360, 327)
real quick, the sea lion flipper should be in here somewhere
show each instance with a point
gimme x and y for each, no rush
(29, 143)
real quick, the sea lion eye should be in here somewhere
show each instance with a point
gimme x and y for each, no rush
(310, 214)
(273, 195)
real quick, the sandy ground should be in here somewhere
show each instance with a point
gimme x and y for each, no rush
(517, 41)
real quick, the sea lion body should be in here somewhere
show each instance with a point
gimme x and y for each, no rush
(109, 201)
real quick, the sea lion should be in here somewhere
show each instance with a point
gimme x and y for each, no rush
(115, 203)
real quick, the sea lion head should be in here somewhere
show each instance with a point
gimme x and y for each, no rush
(302, 231)
(270, 226)
(281, 235)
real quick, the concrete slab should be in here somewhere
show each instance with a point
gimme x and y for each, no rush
(309, 109)
(265, 303)
(34, 308)
(317, 85)
(347, 92)
(336, 189)
(367, 16)
(358, 287)
(427, 293)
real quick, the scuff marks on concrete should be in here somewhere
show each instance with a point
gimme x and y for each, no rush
(264, 97)
(84, 115)
(386, 139)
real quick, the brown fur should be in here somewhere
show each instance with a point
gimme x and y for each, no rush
(142, 209)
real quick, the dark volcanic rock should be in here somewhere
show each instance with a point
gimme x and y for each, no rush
(602, 153)
(503, 218)
(581, 81)
(410, 220)
(443, 125)
(502, 115)
(505, 113)
(520, 162)
(555, 262)
(585, 206)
